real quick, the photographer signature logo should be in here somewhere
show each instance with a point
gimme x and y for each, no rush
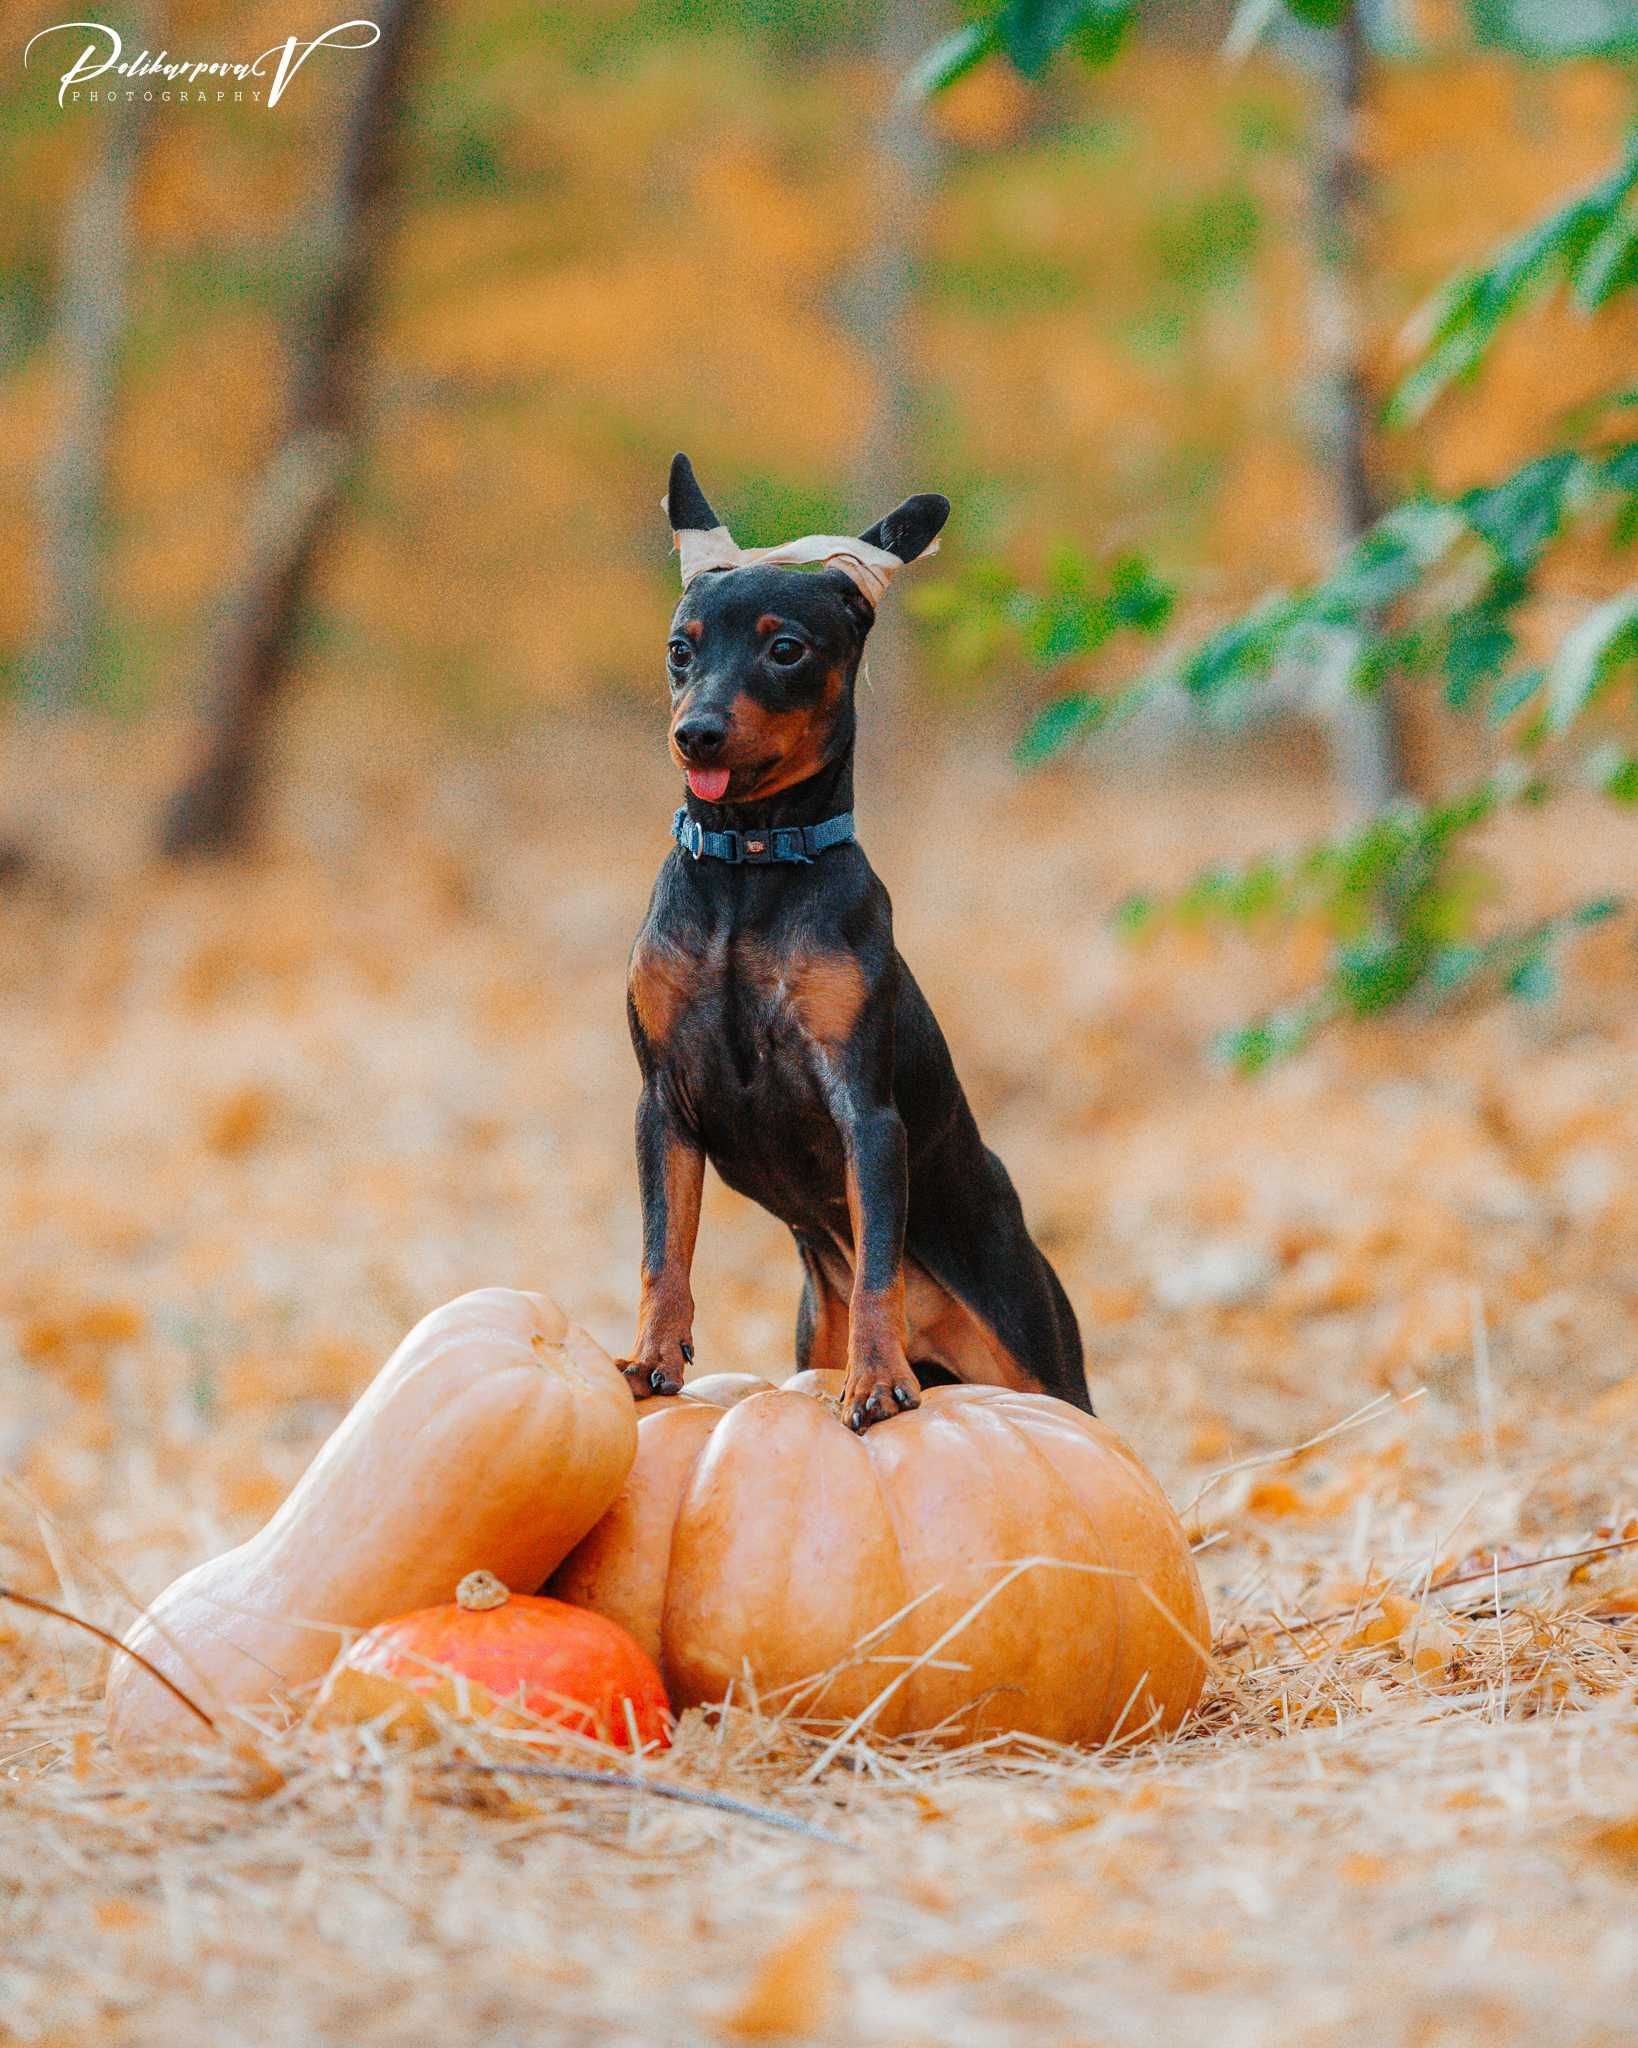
(164, 77)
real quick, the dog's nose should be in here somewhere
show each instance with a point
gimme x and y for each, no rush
(702, 738)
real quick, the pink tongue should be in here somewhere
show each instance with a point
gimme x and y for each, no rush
(708, 783)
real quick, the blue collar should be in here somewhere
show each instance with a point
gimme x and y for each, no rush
(758, 847)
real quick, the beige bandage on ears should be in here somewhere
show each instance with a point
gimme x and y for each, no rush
(870, 567)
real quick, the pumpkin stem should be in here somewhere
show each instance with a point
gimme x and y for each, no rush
(480, 1591)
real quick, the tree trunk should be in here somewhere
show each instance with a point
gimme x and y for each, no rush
(94, 287)
(295, 504)
(1366, 743)
(881, 296)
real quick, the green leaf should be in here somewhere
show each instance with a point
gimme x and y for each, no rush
(1622, 782)
(1377, 973)
(1599, 643)
(1480, 642)
(1034, 31)
(1513, 692)
(1519, 517)
(1556, 29)
(1615, 772)
(1388, 560)
(1243, 651)
(1138, 597)
(1607, 266)
(1585, 244)
(1534, 979)
(1249, 1050)
(1134, 915)
(1319, 13)
(1452, 968)
(1070, 718)
(950, 59)
(1255, 1047)
(1618, 470)
(1103, 35)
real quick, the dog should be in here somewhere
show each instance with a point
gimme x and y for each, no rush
(779, 1034)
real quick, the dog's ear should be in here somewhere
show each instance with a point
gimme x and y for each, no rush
(686, 504)
(911, 528)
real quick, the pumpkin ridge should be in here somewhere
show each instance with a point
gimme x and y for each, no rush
(969, 1452)
(1128, 1478)
(890, 1511)
(683, 1492)
(1057, 1482)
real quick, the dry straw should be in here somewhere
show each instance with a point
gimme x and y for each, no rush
(1406, 1810)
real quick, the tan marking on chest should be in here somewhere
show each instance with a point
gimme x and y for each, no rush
(824, 992)
(662, 984)
(827, 993)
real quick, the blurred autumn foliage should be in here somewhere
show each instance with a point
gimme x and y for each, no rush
(636, 227)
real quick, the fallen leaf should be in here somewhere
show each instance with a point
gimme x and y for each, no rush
(1616, 1846)
(794, 1985)
(239, 1122)
(1386, 1626)
(1274, 1498)
(1435, 1649)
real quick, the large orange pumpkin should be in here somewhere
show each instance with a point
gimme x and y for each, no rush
(506, 1661)
(991, 1561)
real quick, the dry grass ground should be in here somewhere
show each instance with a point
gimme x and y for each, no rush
(252, 1124)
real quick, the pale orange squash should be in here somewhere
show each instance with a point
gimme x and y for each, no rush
(767, 1542)
(501, 1660)
(494, 1437)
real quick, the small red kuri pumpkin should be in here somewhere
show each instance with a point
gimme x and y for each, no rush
(508, 1661)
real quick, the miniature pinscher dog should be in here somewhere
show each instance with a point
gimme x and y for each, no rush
(781, 1036)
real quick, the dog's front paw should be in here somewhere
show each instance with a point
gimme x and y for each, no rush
(659, 1371)
(870, 1394)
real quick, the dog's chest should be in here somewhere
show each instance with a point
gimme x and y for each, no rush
(738, 1010)
(749, 1029)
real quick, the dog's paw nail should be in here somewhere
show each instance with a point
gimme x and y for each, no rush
(856, 1421)
(687, 1351)
(906, 1398)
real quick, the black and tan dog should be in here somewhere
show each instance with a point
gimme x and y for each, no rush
(779, 1033)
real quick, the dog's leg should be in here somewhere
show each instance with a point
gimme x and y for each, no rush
(821, 1318)
(879, 1380)
(670, 1174)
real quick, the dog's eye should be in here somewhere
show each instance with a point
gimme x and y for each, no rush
(785, 652)
(679, 653)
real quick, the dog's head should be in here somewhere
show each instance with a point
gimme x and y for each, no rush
(763, 659)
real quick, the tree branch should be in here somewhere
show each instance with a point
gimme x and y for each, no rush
(300, 491)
